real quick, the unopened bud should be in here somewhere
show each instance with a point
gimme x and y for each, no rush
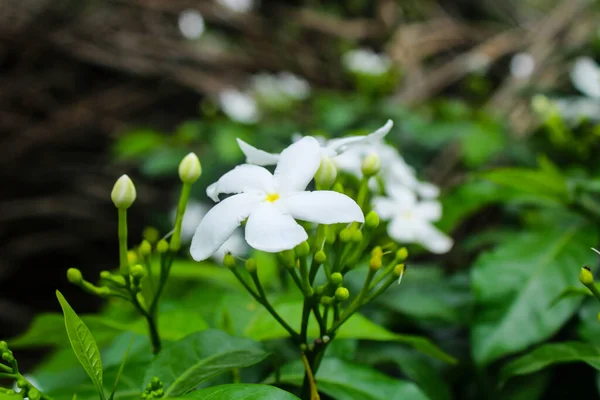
(377, 252)
(371, 164)
(320, 257)
(251, 265)
(302, 249)
(585, 276)
(336, 278)
(21, 383)
(357, 235)
(34, 394)
(162, 246)
(288, 258)
(402, 254)
(156, 383)
(345, 235)
(137, 271)
(342, 294)
(3, 346)
(145, 248)
(375, 263)
(399, 271)
(229, 261)
(338, 187)
(123, 193)
(190, 168)
(151, 234)
(326, 300)
(326, 339)
(326, 174)
(372, 220)
(74, 276)
(132, 257)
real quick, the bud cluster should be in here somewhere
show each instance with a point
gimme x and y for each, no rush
(154, 390)
(10, 369)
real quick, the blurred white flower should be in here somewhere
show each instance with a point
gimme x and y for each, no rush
(239, 106)
(194, 213)
(280, 88)
(271, 203)
(578, 107)
(522, 65)
(411, 220)
(366, 61)
(240, 6)
(293, 85)
(585, 76)
(191, 24)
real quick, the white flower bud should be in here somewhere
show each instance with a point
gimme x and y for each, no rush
(190, 168)
(123, 193)
(326, 174)
(371, 164)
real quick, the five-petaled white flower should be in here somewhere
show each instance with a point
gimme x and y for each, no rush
(271, 203)
(411, 221)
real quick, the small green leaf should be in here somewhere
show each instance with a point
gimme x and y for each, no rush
(240, 392)
(85, 347)
(515, 284)
(264, 327)
(550, 354)
(200, 356)
(346, 381)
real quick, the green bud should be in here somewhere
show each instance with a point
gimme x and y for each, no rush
(320, 257)
(34, 394)
(137, 271)
(288, 258)
(372, 220)
(8, 357)
(132, 257)
(151, 234)
(156, 383)
(21, 383)
(345, 235)
(402, 254)
(3, 346)
(229, 261)
(338, 187)
(585, 276)
(302, 249)
(190, 168)
(377, 252)
(74, 276)
(357, 235)
(251, 265)
(162, 246)
(320, 289)
(326, 174)
(123, 193)
(399, 270)
(371, 164)
(375, 263)
(145, 249)
(326, 300)
(337, 279)
(342, 294)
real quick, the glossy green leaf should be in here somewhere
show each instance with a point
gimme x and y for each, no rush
(83, 343)
(240, 391)
(346, 381)
(515, 285)
(200, 356)
(264, 327)
(537, 182)
(550, 354)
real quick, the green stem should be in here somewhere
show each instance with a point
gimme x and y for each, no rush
(391, 279)
(123, 262)
(354, 306)
(362, 192)
(306, 308)
(594, 289)
(183, 200)
(8, 376)
(5, 368)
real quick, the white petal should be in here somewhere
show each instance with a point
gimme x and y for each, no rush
(403, 195)
(402, 230)
(297, 165)
(322, 207)
(385, 207)
(256, 156)
(337, 146)
(427, 190)
(244, 178)
(236, 245)
(220, 222)
(269, 229)
(380, 133)
(428, 210)
(432, 238)
(586, 77)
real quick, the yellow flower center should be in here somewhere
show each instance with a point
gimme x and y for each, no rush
(272, 197)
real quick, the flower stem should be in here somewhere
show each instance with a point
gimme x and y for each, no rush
(183, 200)
(353, 307)
(123, 262)
(314, 394)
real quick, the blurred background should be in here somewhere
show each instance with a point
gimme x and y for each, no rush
(91, 89)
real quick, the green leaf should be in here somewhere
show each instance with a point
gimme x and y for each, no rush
(83, 343)
(550, 354)
(200, 356)
(264, 327)
(572, 291)
(12, 396)
(240, 391)
(138, 143)
(515, 285)
(541, 183)
(346, 381)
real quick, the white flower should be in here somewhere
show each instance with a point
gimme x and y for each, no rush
(411, 221)
(293, 85)
(240, 6)
(585, 76)
(280, 88)
(522, 65)
(194, 213)
(271, 203)
(366, 61)
(239, 106)
(191, 24)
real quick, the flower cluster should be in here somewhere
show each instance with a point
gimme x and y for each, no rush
(270, 203)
